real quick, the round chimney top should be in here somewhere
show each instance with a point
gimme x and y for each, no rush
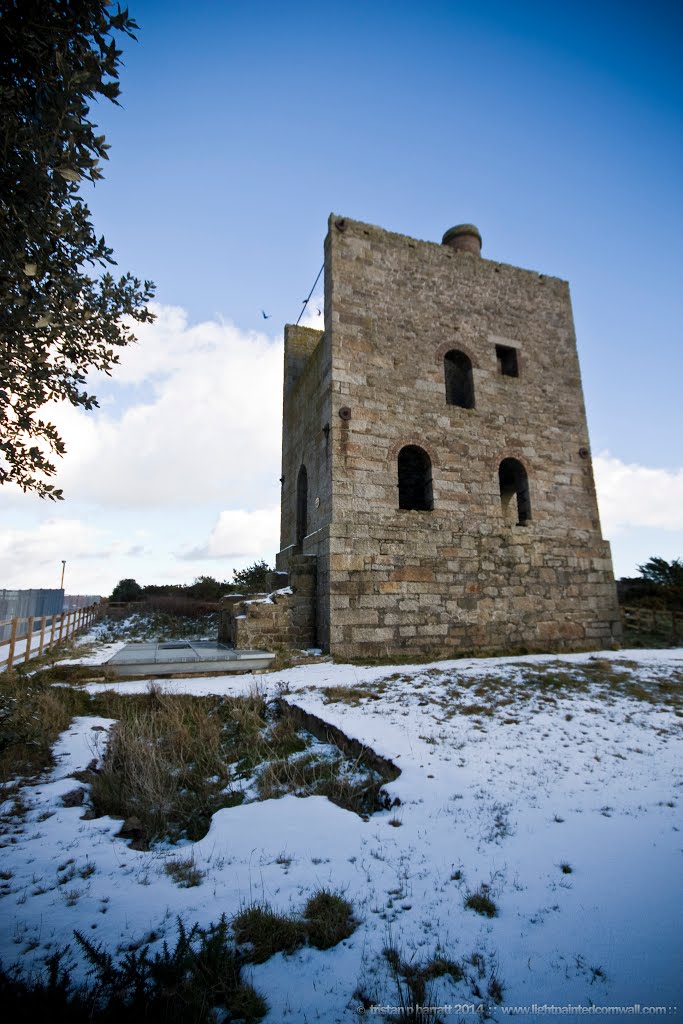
(463, 238)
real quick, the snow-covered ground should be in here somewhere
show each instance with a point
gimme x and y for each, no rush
(564, 803)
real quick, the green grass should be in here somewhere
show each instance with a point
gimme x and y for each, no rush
(158, 625)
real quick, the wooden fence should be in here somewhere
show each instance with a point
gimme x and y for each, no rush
(658, 621)
(30, 637)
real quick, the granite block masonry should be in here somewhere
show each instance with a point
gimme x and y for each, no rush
(436, 464)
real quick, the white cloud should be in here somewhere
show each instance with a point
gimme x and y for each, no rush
(209, 431)
(32, 557)
(240, 534)
(631, 495)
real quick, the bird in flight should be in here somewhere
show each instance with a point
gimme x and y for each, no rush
(266, 316)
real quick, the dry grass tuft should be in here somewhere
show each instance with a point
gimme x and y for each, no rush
(267, 933)
(166, 765)
(481, 902)
(355, 788)
(32, 716)
(327, 920)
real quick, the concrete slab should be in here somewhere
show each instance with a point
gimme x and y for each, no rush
(178, 657)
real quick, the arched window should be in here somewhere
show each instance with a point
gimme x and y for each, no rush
(457, 369)
(301, 506)
(415, 479)
(514, 484)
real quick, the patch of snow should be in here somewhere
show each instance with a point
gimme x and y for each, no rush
(589, 779)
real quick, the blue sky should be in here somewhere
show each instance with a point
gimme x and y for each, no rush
(555, 128)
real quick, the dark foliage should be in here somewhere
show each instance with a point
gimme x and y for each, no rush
(60, 309)
(663, 573)
(183, 985)
(126, 590)
(253, 579)
(660, 585)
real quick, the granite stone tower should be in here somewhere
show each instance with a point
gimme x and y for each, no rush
(437, 483)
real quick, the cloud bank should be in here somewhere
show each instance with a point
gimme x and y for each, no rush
(630, 495)
(201, 420)
(239, 534)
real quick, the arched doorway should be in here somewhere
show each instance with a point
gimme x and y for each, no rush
(415, 479)
(514, 484)
(301, 506)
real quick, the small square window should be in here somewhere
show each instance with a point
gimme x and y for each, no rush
(507, 361)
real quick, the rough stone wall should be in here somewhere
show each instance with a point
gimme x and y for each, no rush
(464, 576)
(307, 403)
(284, 619)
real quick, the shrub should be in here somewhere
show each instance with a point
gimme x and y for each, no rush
(253, 579)
(126, 590)
(195, 981)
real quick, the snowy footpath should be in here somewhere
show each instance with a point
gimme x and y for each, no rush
(562, 806)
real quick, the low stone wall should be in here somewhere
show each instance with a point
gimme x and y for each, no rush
(283, 619)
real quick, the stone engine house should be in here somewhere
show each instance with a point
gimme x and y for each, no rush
(437, 485)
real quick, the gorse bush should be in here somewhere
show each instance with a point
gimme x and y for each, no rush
(191, 983)
(197, 981)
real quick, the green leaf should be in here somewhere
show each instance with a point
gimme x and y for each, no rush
(69, 174)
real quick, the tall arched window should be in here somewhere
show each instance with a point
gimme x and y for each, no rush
(514, 490)
(301, 506)
(415, 479)
(457, 368)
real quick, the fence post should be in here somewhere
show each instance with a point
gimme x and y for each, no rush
(42, 634)
(12, 642)
(29, 637)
